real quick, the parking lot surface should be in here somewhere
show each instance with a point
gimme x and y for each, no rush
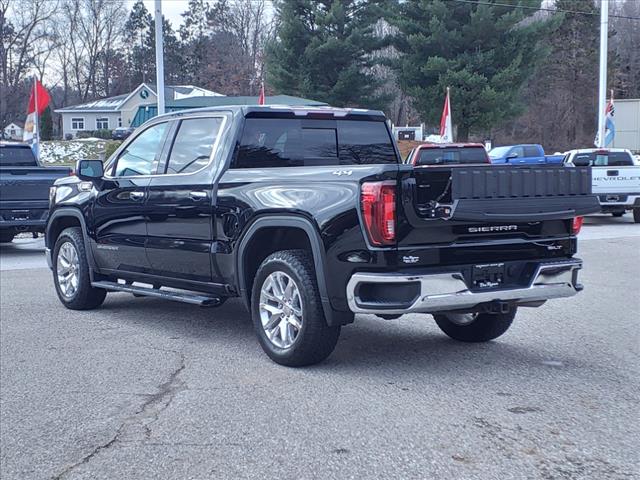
(145, 388)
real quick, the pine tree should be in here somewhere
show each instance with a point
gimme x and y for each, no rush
(323, 51)
(45, 128)
(485, 53)
(141, 58)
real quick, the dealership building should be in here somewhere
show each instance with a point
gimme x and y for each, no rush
(133, 109)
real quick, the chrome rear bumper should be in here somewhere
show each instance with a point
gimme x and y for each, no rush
(448, 291)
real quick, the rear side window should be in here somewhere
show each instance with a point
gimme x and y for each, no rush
(193, 145)
(439, 156)
(605, 159)
(11, 156)
(270, 142)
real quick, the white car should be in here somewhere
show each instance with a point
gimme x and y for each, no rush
(615, 178)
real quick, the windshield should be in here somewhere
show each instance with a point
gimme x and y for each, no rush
(16, 156)
(499, 152)
(439, 156)
(605, 159)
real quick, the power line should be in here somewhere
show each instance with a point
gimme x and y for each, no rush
(542, 9)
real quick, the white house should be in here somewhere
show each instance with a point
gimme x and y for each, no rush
(119, 111)
(13, 131)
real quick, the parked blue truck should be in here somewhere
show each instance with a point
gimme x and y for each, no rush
(524, 154)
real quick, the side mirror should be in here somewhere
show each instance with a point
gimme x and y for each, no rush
(89, 170)
(581, 162)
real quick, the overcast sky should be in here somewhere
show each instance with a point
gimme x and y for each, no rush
(171, 10)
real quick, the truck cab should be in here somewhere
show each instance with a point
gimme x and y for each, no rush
(615, 177)
(530, 154)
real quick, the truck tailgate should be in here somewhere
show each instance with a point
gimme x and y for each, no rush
(28, 183)
(623, 179)
(447, 205)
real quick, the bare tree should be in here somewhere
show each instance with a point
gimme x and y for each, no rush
(22, 27)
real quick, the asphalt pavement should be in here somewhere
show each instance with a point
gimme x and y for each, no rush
(145, 388)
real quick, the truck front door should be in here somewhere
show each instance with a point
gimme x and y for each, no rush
(119, 209)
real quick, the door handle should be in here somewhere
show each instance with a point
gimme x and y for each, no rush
(136, 195)
(197, 195)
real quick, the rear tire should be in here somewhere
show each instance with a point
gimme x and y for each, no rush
(71, 272)
(617, 214)
(485, 327)
(6, 237)
(286, 310)
(636, 215)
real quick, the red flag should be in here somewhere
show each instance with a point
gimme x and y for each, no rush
(261, 96)
(42, 95)
(446, 130)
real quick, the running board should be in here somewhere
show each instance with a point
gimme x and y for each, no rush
(192, 298)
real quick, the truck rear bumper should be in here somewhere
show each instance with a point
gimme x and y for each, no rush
(438, 292)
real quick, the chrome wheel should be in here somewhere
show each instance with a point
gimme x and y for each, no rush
(462, 319)
(281, 309)
(68, 269)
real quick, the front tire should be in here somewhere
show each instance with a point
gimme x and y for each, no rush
(617, 214)
(636, 215)
(477, 327)
(286, 310)
(71, 272)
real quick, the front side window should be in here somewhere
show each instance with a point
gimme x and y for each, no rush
(277, 142)
(77, 123)
(193, 145)
(102, 123)
(141, 156)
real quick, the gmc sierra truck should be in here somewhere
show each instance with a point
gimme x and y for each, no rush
(310, 216)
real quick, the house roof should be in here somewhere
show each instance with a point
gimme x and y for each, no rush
(17, 123)
(113, 104)
(147, 112)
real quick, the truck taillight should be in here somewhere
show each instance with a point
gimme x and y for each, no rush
(577, 225)
(378, 201)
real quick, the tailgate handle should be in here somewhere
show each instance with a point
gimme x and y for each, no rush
(570, 212)
(612, 173)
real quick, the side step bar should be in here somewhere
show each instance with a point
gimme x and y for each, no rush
(185, 297)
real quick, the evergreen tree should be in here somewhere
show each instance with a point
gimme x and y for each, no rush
(45, 129)
(141, 59)
(194, 37)
(485, 53)
(323, 51)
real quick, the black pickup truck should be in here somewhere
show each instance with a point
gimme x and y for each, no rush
(24, 190)
(309, 216)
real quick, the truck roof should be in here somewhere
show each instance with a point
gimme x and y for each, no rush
(593, 150)
(285, 111)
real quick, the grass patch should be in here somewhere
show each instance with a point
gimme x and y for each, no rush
(68, 152)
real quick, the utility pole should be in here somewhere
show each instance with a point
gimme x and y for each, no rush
(602, 88)
(159, 58)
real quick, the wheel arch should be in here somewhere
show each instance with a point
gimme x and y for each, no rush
(300, 233)
(66, 218)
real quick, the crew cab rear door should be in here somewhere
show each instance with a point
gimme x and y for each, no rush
(447, 205)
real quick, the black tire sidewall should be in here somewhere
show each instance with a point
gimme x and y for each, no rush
(85, 296)
(313, 323)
